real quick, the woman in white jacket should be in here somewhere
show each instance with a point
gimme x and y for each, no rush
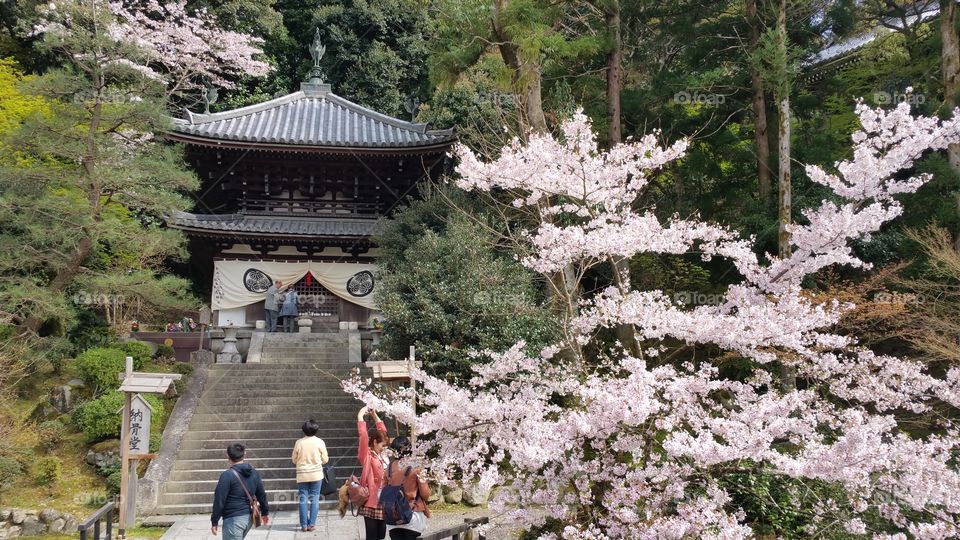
(309, 455)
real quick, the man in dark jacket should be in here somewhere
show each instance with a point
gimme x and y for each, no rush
(230, 501)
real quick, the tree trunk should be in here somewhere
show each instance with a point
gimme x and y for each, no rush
(760, 135)
(783, 132)
(614, 72)
(626, 333)
(950, 66)
(526, 73)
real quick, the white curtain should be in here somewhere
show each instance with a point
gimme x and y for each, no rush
(240, 283)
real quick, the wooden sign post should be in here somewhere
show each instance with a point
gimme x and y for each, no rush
(135, 432)
(138, 425)
(399, 371)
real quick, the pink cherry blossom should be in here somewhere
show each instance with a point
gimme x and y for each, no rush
(640, 446)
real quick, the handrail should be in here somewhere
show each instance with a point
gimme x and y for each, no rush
(456, 532)
(94, 521)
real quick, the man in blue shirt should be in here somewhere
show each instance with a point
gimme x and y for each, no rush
(230, 500)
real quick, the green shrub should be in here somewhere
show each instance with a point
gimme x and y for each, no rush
(99, 367)
(183, 368)
(98, 418)
(165, 351)
(186, 370)
(113, 482)
(140, 351)
(51, 434)
(47, 470)
(10, 470)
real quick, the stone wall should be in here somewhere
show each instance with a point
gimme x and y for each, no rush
(16, 522)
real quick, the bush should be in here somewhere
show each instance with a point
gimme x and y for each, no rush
(186, 370)
(140, 351)
(183, 368)
(98, 418)
(164, 351)
(113, 482)
(47, 470)
(98, 367)
(51, 433)
(10, 470)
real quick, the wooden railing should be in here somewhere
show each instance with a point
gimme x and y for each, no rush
(459, 532)
(311, 207)
(105, 513)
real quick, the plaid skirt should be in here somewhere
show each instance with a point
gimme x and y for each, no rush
(371, 512)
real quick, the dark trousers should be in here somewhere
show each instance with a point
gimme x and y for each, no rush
(271, 320)
(376, 528)
(403, 534)
(289, 323)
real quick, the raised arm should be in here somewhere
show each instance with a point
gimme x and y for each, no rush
(362, 435)
(379, 423)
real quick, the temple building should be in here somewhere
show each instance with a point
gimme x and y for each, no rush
(292, 190)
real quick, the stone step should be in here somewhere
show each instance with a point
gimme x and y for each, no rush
(293, 410)
(231, 435)
(276, 467)
(251, 391)
(220, 445)
(291, 416)
(277, 449)
(295, 430)
(267, 398)
(303, 372)
(255, 366)
(310, 360)
(284, 501)
(330, 387)
(279, 499)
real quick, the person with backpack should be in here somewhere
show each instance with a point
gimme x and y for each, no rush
(405, 495)
(309, 455)
(373, 459)
(240, 498)
(289, 310)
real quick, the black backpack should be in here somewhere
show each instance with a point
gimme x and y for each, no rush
(396, 507)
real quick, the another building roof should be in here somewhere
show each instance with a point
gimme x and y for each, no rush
(274, 225)
(849, 45)
(314, 117)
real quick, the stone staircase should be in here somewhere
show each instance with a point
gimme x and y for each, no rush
(263, 405)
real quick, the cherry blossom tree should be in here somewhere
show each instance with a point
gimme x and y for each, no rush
(616, 445)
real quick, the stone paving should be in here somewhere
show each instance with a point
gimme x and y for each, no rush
(284, 526)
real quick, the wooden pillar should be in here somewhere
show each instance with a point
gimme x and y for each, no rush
(124, 454)
(413, 390)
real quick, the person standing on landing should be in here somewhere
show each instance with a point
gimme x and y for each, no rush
(309, 455)
(271, 306)
(289, 310)
(230, 500)
(373, 460)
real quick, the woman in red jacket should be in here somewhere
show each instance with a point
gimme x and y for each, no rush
(373, 460)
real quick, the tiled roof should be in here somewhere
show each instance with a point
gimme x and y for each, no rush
(312, 117)
(849, 45)
(284, 225)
